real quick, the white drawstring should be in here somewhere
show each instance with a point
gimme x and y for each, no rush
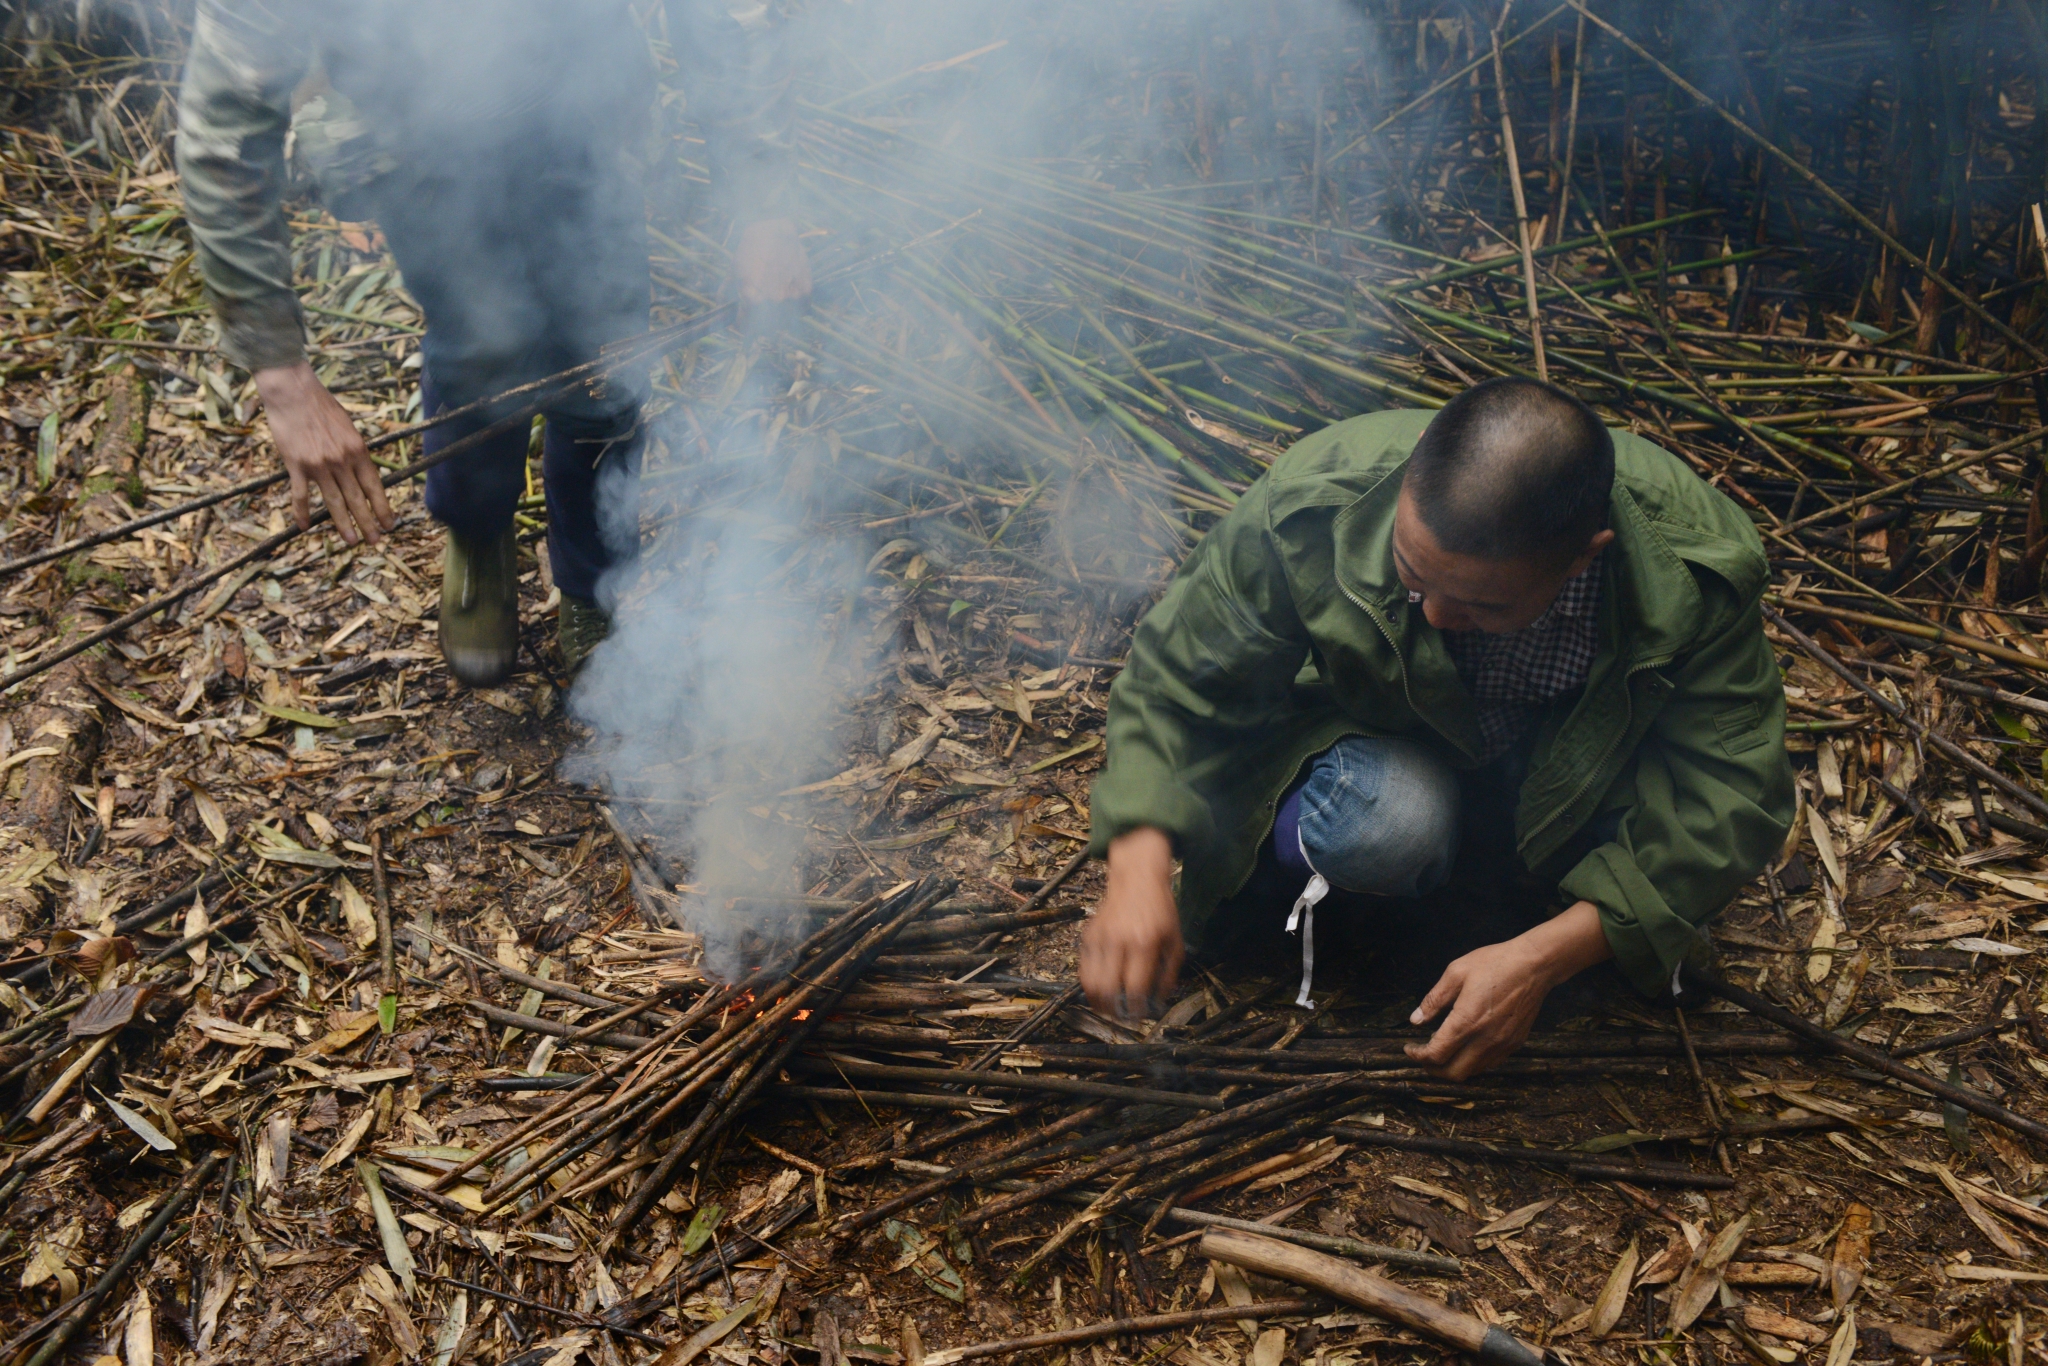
(1303, 917)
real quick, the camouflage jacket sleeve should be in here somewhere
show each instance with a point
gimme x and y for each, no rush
(734, 62)
(233, 112)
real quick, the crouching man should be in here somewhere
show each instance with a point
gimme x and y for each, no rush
(1414, 616)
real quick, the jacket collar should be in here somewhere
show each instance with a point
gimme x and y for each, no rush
(1657, 602)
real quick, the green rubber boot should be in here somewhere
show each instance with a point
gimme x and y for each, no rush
(480, 607)
(579, 625)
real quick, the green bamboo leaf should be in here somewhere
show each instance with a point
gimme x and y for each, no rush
(699, 1231)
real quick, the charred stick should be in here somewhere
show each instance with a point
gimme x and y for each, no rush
(617, 1171)
(1960, 1036)
(537, 1024)
(1143, 1323)
(574, 1143)
(525, 979)
(83, 1307)
(625, 1013)
(1152, 1150)
(902, 1100)
(387, 947)
(74, 1135)
(558, 1311)
(1012, 1156)
(1170, 1146)
(1057, 881)
(1221, 1157)
(204, 885)
(1067, 1086)
(1975, 1102)
(973, 926)
(49, 1016)
(630, 1311)
(640, 874)
(730, 1083)
(605, 1074)
(1039, 1018)
(1471, 1150)
(1367, 1052)
(1096, 1208)
(404, 1189)
(944, 1138)
(234, 918)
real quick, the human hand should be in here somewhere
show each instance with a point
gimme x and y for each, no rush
(1131, 949)
(774, 271)
(321, 448)
(1494, 993)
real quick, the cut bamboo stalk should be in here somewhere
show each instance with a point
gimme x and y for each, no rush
(1341, 1280)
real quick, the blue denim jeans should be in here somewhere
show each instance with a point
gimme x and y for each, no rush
(1374, 816)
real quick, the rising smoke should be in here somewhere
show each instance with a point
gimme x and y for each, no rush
(742, 635)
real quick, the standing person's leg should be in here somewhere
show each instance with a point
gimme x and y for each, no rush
(455, 238)
(474, 495)
(591, 269)
(587, 461)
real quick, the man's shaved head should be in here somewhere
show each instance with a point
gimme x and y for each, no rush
(1513, 470)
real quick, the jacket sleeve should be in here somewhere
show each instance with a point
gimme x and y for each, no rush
(1211, 663)
(233, 111)
(1705, 803)
(733, 56)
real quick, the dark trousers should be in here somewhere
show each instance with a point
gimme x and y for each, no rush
(526, 260)
(474, 494)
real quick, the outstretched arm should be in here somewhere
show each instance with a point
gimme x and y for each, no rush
(234, 108)
(1494, 993)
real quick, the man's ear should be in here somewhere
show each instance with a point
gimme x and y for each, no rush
(1601, 540)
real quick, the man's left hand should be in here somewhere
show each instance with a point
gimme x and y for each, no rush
(1494, 993)
(774, 270)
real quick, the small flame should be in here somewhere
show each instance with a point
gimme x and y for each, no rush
(803, 1015)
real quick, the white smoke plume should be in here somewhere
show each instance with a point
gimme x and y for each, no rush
(742, 634)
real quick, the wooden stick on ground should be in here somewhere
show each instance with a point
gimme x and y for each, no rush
(86, 1304)
(1332, 1276)
(1146, 1323)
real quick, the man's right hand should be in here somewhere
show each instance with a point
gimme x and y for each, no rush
(1131, 950)
(321, 448)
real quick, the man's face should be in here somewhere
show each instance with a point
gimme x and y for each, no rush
(1465, 593)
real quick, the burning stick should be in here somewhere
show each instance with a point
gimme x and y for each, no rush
(751, 1070)
(709, 1002)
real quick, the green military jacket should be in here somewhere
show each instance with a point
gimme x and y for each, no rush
(1288, 629)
